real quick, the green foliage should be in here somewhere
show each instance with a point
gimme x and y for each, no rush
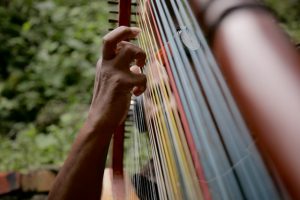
(288, 13)
(47, 55)
(31, 149)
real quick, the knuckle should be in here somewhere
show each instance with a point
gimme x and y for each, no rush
(124, 29)
(127, 47)
(106, 41)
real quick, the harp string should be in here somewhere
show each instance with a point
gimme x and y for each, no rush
(186, 86)
(184, 162)
(157, 100)
(179, 107)
(233, 168)
(194, 176)
(157, 126)
(237, 140)
(208, 90)
(213, 130)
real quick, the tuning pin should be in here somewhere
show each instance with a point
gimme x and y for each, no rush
(113, 2)
(117, 2)
(117, 12)
(113, 21)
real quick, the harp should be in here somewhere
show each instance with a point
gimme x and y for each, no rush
(206, 127)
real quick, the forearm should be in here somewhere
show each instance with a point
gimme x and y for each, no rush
(81, 175)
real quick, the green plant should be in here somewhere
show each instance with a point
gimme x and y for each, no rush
(48, 54)
(288, 14)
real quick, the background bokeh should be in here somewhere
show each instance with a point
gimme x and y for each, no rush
(48, 50)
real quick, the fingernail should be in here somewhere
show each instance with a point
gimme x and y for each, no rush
(135, 30)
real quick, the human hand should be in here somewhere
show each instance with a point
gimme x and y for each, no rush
(116, 78)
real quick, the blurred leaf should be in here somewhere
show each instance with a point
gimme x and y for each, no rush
(48, 53)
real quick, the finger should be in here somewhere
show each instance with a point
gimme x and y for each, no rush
(111, 40)
(136, 90)
(140, 57)
(138, 83)
(129, 53)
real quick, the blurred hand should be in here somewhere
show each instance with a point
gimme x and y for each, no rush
(116, 77)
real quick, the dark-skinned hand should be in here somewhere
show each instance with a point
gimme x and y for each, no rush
(117, 77)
